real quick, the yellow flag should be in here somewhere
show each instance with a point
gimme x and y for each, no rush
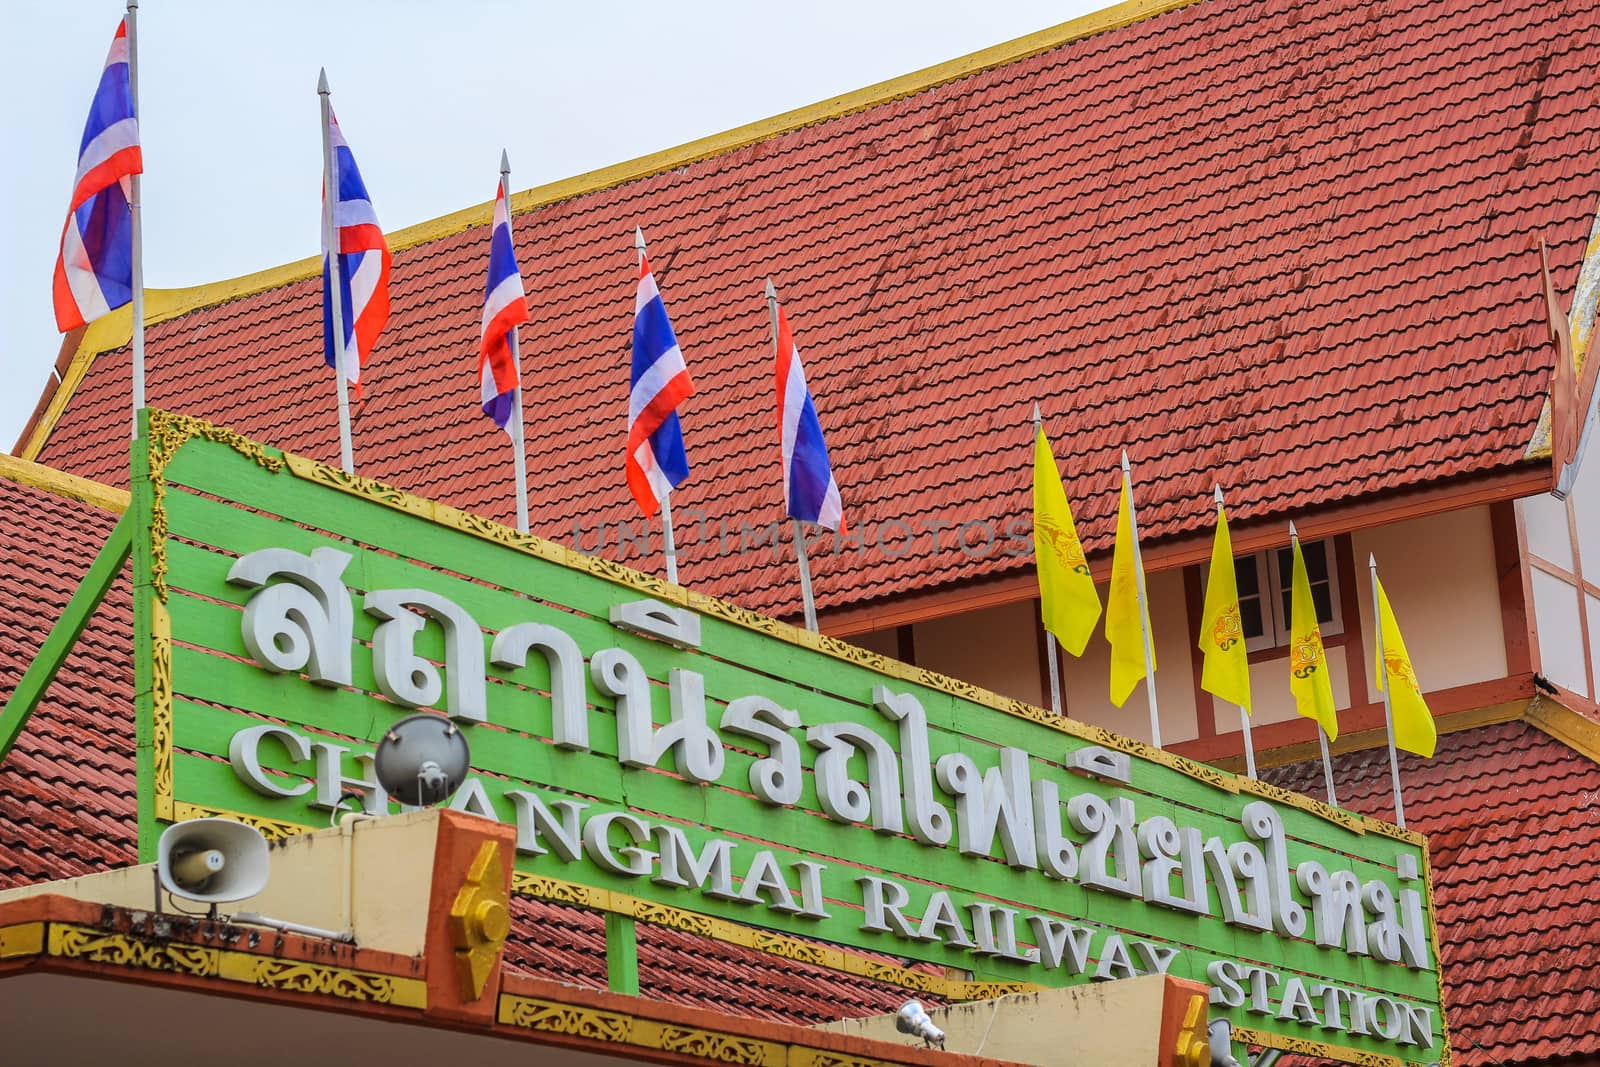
(1308, 665)
(1413, 722)
(1122, 608)
(1227, 665)
(1071, 606)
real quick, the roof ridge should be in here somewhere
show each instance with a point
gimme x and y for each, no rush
(115, 329)
(60, 483)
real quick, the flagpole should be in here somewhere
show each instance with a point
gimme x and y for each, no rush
(1249, 743)
(1244, 714)
(519, 457)
(668, 545)
(330, 194)
(134, 188)
(1322, 735)
(1052, 657)
(1144, 614)
(1388, 709)
(807, 599)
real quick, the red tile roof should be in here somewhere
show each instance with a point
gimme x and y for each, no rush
(1283, 244)
(67, 787)
(1510, 815)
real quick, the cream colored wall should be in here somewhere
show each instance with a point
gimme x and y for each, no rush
(1544, 520)
(1555, 609)
(1088, 680)
(1439, 571)
(1440, 577)
(996, 648)
(883, 642)
(1586, 509)
(1555, 598)
(1270, 699)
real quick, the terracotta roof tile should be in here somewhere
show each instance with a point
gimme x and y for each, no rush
(1510, 815)
(66, 788)
(1283, 243)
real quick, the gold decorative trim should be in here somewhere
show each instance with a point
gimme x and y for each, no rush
(161, 706)
(319, 979)
(659, 589)
(720, 1047)
(811, 1057)
(1577, 732)
(271, 829)
(21, 939)
(479, 920)
(593, 1024)
(764, 941)
(1350, 820)
(125, 950)
(165, 434)
(559, 892)
(1438, 964)
(60, 483)
(1262, 1039)
(67, 941)
(550, 1017)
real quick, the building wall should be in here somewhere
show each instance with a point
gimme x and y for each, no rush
(1439, 571)
(883, 642)
(1559, 536)
(1088, 679)
(1440, 576)
(996, 648)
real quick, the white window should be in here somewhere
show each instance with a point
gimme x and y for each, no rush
(1264, 585)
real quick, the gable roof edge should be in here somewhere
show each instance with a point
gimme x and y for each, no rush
(1567, 725)
(114, 330)
(83, 490)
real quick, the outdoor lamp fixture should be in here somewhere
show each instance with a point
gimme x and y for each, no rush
(912, 1018)
(422, 760)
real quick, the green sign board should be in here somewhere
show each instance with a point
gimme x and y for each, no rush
(666, 754)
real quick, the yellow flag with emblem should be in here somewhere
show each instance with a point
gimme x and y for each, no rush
(1123, 629)
(1308, 664)
(1067, 596)
(1226, 670)
(1413, 722)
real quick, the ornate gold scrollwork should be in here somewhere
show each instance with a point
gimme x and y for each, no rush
(161, 707)
(126, 950)
(552, 1018)
(721, 1048)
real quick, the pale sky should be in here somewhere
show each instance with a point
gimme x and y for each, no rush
(427, 93)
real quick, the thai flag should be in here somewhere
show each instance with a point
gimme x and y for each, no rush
(363, 263)
(505, 306)
(656, 461)
(809, 491)
(94, 269)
